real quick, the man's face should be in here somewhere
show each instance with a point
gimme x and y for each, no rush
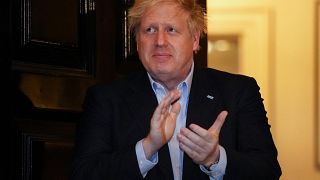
(165, 43)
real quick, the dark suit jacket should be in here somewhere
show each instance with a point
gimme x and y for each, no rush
(116, 117)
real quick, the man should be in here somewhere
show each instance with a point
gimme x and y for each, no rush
(174, 121)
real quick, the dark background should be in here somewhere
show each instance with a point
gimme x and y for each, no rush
(52, 51)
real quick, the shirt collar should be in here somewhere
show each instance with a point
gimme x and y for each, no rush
(155, 85)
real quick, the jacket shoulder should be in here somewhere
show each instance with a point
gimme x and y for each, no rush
(226, 78)
(118, 87)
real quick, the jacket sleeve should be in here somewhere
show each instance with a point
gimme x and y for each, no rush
(95, 157)
(254, 155)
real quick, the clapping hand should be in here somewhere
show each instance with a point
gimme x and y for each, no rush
(163, 123)
(202, 145)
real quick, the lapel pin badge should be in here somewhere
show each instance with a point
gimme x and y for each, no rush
(210, 97)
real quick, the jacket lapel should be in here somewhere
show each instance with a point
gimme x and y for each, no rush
(142, 102)
(204, 106)
(204, 100)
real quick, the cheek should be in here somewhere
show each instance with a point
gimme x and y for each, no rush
(186, 48)
(143, 51)
(143, 46)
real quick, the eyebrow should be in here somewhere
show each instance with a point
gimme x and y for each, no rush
(163, 24)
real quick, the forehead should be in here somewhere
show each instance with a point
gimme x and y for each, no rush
(165, 12)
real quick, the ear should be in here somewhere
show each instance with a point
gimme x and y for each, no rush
(137, 44)
(196, 41)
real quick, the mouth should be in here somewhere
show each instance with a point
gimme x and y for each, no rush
(161, 55)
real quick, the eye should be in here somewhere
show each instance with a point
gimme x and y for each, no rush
(150, 30)
(171, 29)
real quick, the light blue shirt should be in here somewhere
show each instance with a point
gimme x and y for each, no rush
(216, 171)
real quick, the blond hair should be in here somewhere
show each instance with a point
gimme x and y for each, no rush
(196, 21)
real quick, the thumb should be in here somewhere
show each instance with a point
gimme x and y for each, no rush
(219, 122)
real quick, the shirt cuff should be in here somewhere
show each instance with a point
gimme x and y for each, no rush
(144, 164)
(217, 171)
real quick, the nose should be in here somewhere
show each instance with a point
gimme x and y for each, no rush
(161, 39)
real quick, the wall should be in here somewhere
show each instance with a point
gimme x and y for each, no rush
(292, 82)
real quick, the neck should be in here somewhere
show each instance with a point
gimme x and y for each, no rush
(169, 82)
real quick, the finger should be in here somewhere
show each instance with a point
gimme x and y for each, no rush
(190, 152)
(198, 130)
(215, 128)
(193, 137)
(162, 109)
(157, 112)
(164, 105)
(191, 145)
(175, 96)
(170, 98)
(174, 112)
